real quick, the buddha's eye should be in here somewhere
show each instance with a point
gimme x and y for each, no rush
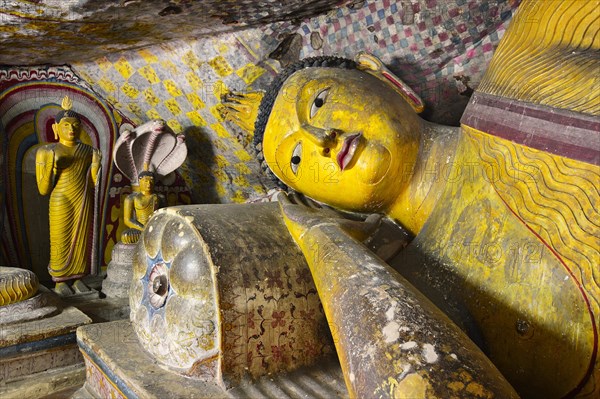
(295, 162)
(318, 103)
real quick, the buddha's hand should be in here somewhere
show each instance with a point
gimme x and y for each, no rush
(302, 214)
(96, 160)
(45, 169)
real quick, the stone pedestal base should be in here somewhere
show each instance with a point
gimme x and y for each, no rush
(118, 367)
(30, 350)
(119, 271)
(41, 305)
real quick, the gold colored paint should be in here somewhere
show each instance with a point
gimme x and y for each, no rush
(149, 74)
(16, 285)
(243, 155)
(555, 195)
(124, 68)
(138, 207)
(249, 73)
(220, 145)
(217, 112)
(117, 116)
(113, 101)
(456, 386)
(170, 67)
(84, 32)
(104, 64)
(221, 66)
(107, 85)
(549, 56)
(220, 130)
(478, 391)
(130, 91)
(151, 98)
(175, 125)
(194, 81)
(242, 109)
(220, 175)
(242, 168)
(196, 118)
(380, 170)
(219, 89)
(172, 88)
(506, 262)
(135, 108)
(240, 181)
(153, 114)
(173, 106)
(251, 48)
(190, 59)
(239, 197)
(524, 236)
(221, 161)
(195, 100)
(148, 56)
(222, 48)
(68, 171)
(413, 386)
(221, 191)
(9, 28)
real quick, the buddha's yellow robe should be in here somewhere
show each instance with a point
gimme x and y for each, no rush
(71, 216)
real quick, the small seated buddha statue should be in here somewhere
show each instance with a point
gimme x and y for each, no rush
(146, 154)
(139, 206)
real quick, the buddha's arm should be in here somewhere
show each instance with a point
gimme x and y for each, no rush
(96, 161)
(391, 340)
(45, 170)
(129, 215)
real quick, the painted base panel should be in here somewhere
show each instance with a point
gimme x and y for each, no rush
(118, 367)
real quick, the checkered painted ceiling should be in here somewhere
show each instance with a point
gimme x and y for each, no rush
(439, 47)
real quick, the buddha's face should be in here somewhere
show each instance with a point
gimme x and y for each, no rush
(68, 129)
(342, 137)
(146, 184)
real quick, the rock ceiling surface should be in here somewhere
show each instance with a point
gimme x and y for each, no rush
(56, 32)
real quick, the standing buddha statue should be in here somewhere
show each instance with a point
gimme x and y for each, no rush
(68, 171)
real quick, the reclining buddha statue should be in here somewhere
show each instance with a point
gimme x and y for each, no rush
(503, 210)
(496, 295)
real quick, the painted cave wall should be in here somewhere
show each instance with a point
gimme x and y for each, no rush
(440, 48)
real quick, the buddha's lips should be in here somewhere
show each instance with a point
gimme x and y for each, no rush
(344, 157)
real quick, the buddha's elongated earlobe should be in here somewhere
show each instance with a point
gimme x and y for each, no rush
(373, 65)
(55, 130)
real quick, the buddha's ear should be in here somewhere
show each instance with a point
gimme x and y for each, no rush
(373, 65)
(55, 130)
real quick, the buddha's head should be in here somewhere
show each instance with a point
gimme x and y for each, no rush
(146, 182)
(338, 133)
(67, 127)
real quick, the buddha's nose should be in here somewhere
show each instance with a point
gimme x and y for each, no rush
(319, 136)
